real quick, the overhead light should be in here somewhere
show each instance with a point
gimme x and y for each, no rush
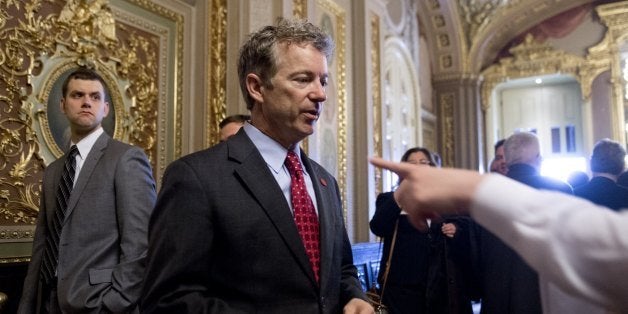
(538, 81)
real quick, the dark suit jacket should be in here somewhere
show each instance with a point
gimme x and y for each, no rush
(509, 285)
(425, 263)
(222, 239)
(104, 237)
(604, 191)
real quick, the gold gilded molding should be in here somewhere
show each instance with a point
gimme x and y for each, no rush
(476, 15)
(341, 76)
(217, 70)
(375, 88)
(446, 103)
(531, 58)
(615, 17)
(299, 9)
(176, 100)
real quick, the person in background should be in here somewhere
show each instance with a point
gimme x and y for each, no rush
(422, 276)
(607, 163)
(508, 284)
(438, 160)
(91, 236)
(578, 246)
(498, 164)
(622, 179)
(577, 179)
(260, 224)
(230, 125)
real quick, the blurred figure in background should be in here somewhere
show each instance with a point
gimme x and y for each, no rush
(577, 179)
(508, 284)
(499, 162)
(622, 179)
(230, 125)
(423, 276)
(607, 163)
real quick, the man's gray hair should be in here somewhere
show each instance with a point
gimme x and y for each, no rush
(522, 148)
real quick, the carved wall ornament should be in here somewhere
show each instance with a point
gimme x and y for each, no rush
(610, 49)
(376, 95)
(446, 104)
(531, 58)
(331, 128)
(476, 14)
(446, 61)
(299, 9)
(217, 71)
(438, 20)
(443, 41)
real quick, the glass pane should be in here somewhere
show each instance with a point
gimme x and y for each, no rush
(570, 138)
(555, 140)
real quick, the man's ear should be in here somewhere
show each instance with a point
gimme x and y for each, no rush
(107, 108)
(254, 86)
(62, 105)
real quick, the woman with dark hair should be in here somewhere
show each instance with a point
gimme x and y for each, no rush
(422, 275)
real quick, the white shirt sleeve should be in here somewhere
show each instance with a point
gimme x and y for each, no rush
(579, 246)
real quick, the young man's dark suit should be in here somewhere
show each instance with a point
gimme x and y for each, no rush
(604, 191)
(509, 285)
(104, 238)
(237, 248)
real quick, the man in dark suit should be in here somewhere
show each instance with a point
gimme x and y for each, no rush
(509, 285)
(230, 125)
(89, 257)
(225, 236)
(607, 163)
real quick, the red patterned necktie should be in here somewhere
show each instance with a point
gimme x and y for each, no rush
(304, 213)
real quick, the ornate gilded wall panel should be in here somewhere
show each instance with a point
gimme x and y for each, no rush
(447, 125)
(376, 78)
(615, 43)
(299, 9)
(217, 71)
(328, 144)
(133, 44)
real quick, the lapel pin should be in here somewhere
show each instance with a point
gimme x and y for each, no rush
(323, 182)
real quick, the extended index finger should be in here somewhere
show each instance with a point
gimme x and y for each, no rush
(401, 169)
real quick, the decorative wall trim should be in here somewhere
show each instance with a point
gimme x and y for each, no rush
(217, 70)
(446, 103)
(339, 71)
(376, 78)
(299, 9)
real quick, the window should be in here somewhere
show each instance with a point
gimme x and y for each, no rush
(570, 138)
(555, 140)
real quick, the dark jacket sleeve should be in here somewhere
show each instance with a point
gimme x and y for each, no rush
(386, 213)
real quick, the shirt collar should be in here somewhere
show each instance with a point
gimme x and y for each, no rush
(85, 144)
(273, 153)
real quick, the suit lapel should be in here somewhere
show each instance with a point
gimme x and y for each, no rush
(257, 178)
(86, 171)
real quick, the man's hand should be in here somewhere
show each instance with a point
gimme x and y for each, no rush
(427, 192)
(358, 306)
(449, 229)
